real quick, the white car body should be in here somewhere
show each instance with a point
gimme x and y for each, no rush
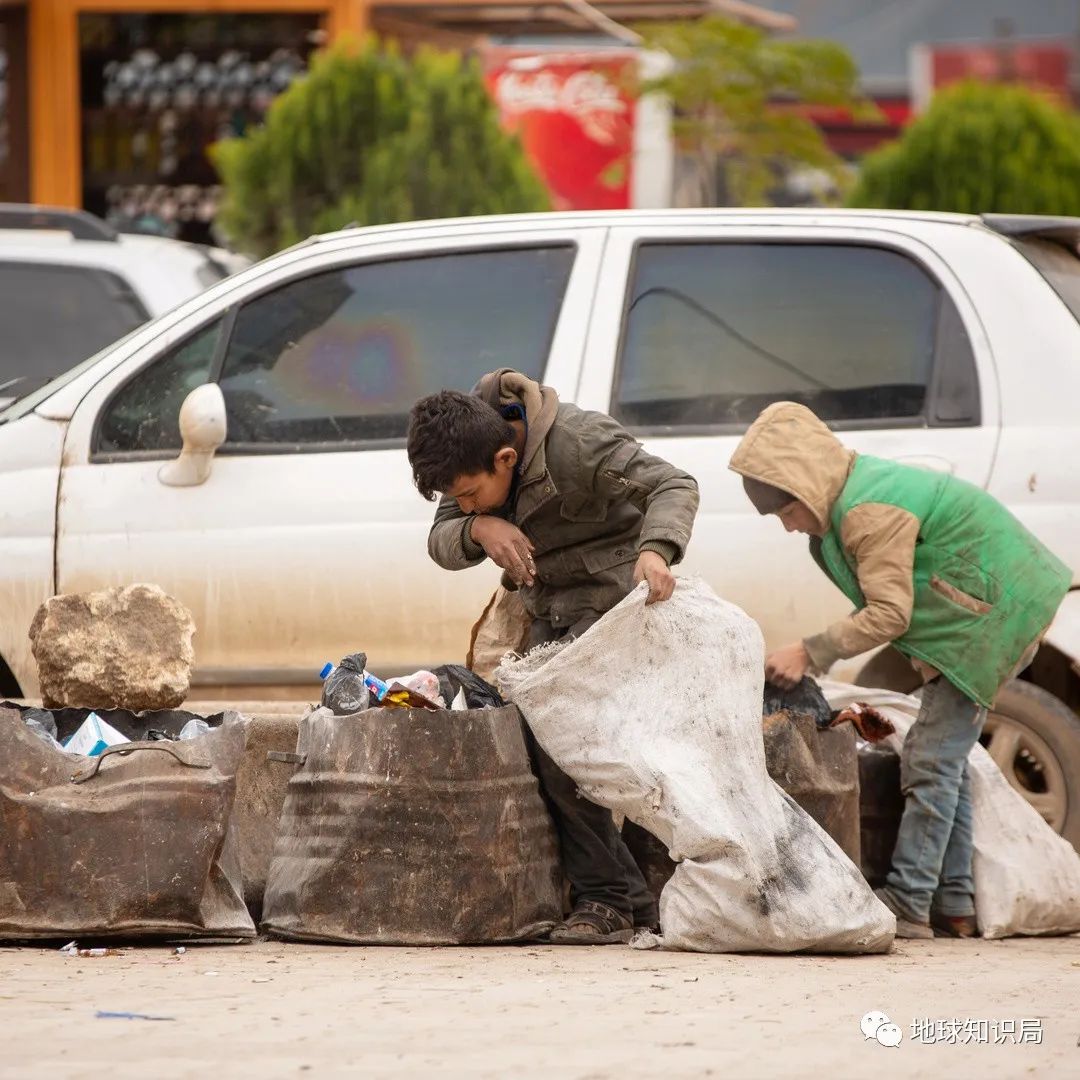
(289, 559)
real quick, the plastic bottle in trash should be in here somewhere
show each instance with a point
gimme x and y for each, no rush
(345, 687)
(194, 728)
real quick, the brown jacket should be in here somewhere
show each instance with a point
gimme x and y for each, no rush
(790, 448)
(589, 498)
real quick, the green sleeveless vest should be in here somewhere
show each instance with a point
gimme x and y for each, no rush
(985, 587)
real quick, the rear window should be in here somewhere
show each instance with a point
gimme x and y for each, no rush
(1059, 265)
(54, 316)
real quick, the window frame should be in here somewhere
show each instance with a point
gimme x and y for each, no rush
(924, 420)
(229, 314)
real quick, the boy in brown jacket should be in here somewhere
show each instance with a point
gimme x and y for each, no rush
(576, 514)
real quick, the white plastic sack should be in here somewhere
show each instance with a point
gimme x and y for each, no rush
(655, 712)
(1027, 878)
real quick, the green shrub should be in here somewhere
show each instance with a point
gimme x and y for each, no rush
(979, 148)
(370, 137)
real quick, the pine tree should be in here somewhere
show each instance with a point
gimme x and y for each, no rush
(979, 148)
(371, 137)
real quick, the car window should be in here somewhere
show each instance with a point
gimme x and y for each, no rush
(145, 413)
(54, 316)
(714, 332)
(1059, 264)
(342, 355)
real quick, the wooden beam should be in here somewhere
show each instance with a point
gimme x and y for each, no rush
(55, 148)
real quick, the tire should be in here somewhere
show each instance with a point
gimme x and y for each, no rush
(1035, 740)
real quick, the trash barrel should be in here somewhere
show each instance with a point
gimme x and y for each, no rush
(413, 827)
(134, 842)
(818, 769)
(881, 806)
(260, 785)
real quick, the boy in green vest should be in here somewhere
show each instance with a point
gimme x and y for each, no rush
(944, 572)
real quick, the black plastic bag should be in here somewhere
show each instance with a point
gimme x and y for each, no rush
(344, 692)
(478, 693)
(805, 700)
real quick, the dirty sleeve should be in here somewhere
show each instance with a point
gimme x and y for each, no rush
(622, 469)
(881, 539)
(449, 541)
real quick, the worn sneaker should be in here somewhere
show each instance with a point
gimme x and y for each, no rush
(954, 926)
(907, 926)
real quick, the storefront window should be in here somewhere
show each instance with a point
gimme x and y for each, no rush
(158, 90)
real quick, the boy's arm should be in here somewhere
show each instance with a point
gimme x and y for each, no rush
(449, 542)
(882, 540)
(621, 469)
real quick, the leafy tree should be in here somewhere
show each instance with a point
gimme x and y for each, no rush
(371, 137)
(979, 148)
(735, 90)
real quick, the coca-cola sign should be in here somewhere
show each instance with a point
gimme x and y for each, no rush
(574, 113)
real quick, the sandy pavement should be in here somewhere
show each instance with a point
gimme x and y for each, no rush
(271, 1009)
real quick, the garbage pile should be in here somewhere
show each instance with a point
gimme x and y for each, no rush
(350, 688)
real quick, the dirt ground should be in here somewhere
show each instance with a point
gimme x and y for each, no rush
(271, 1009)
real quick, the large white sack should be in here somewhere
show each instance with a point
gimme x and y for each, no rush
(655, 712)
(1027, 878)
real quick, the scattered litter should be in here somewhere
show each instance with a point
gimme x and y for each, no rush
(262, 980)
(179, 950)
(210, 973)
(459, 704)
(93, 737)
(72, 949)
(101, 1014)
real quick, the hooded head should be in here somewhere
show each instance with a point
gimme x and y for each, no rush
(789, 456)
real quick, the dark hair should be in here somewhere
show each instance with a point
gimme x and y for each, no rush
(452, 434)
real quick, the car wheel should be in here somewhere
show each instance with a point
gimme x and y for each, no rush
(1034, 740)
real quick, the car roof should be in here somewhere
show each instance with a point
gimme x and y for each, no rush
(162, 272)
(609, 218)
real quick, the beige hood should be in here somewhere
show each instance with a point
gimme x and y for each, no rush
(789, 447)
(541, 404)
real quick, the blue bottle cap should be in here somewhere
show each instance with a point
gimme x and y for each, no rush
(327, 668)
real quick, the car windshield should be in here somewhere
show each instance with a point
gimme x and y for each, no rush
(1059, 265)
(30, 401)
(54, 316)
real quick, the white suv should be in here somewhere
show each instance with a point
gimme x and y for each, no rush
(70, 284)
(290, 526)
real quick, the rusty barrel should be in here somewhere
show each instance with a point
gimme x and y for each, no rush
(136, 842)
(409, 827)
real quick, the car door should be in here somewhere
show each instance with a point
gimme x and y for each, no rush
(699, 328)
(308, 540)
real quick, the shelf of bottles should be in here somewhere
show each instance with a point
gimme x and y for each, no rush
(157, 91)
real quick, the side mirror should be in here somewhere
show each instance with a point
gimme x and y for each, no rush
(202, 427)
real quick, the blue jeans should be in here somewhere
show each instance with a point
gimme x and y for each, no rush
(931, 863)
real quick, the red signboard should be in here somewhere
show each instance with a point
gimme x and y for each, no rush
(574, 113)
(1040, 66)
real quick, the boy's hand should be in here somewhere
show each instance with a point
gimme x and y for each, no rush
(506, 546)
(787, 666)
(652, 568)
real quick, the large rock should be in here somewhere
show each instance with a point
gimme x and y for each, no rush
(121, 648)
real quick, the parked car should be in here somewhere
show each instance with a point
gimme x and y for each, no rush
(289, 525)
(70, 284)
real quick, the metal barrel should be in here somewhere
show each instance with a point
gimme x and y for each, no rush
(410, 827)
